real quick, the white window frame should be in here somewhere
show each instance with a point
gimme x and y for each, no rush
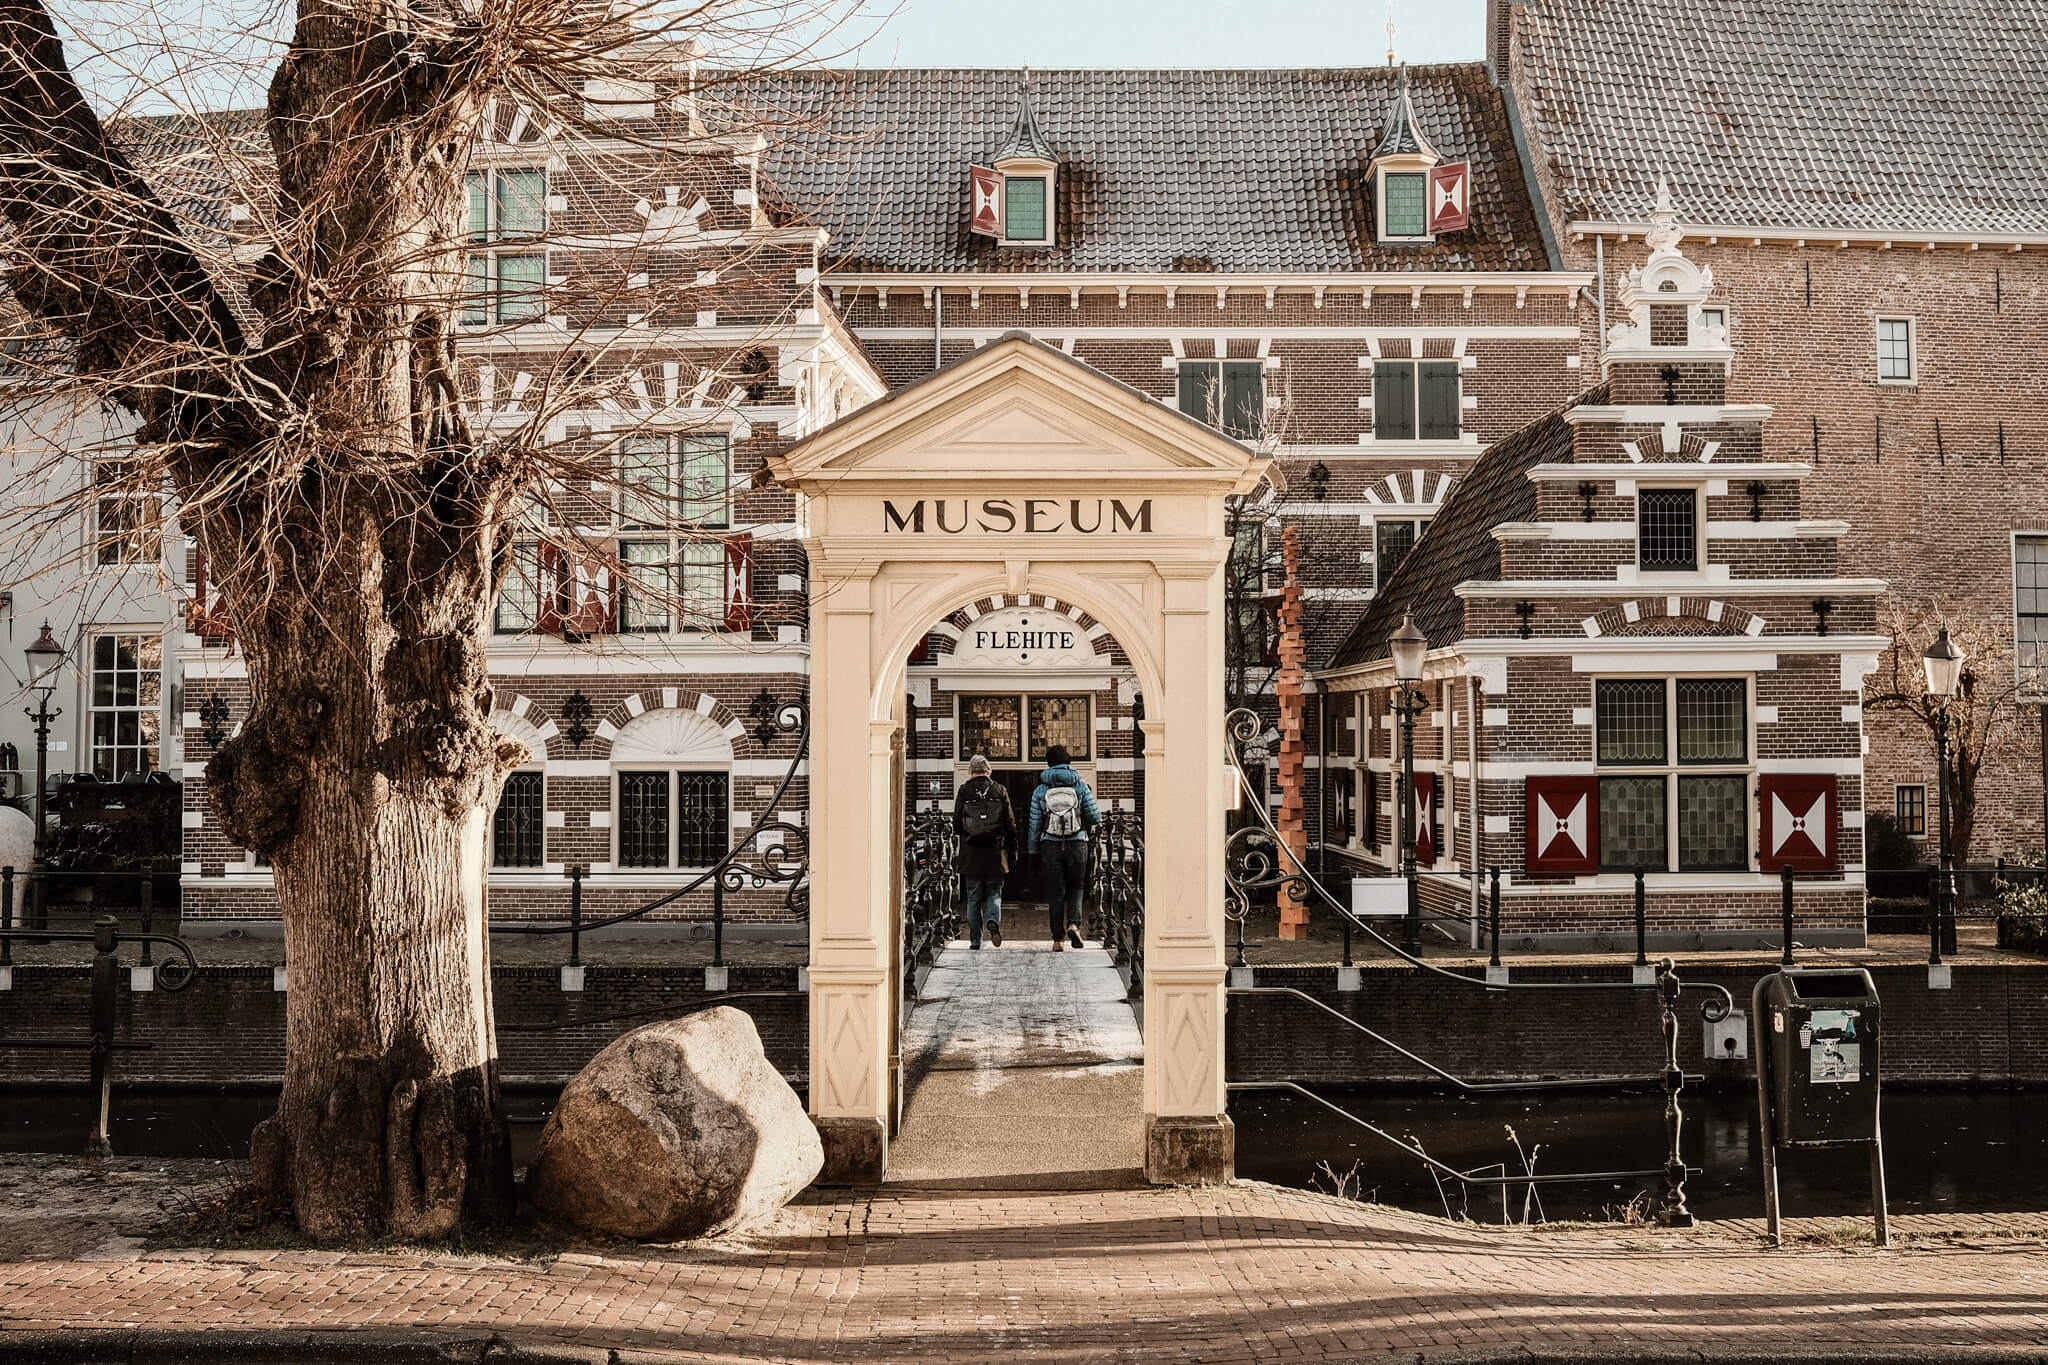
(1699, 532)
(700, 546)
(538, 768)
(1379, 190)
(671, 867)
(142, 635)
(1672, 771)
(1912, 376)
(140, 543)
(492, 246)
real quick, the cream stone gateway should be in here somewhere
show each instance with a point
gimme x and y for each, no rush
(1020, 423)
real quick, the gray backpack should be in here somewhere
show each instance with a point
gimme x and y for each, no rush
(1062, 813)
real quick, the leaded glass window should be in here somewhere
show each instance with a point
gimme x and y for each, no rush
(703, 824)
(678, 818)
(1629, 720)
(643, 819)
(1060, 720)
(993, 727)
(1675, 817)
(1405, 194)
(1667, 529)
(1024, 208)
(519, 597)
(680, 485)
(518, 825)
(1393, 541)
(647, 589)
(505, 206)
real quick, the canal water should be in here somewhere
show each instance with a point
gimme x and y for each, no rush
(1945, 1151)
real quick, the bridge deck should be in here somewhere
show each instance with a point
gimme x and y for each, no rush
(1023, 1069)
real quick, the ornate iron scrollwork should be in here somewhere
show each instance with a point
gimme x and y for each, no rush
(213, 720)
(578, 712)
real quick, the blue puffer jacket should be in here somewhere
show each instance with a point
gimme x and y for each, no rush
(1062, 776)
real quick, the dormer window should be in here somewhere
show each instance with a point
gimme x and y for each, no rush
(1404, 194)
(1401, 168)
(1015, 199)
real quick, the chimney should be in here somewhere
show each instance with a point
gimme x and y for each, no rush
(1500, 21)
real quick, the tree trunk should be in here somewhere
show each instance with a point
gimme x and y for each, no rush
(367, 768)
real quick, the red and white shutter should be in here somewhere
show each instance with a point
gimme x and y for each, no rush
(1450, 197)
(1563, 826)
(739, 582)
(583, 592)
(985, 201)
(1799, 814)
(1425, 819)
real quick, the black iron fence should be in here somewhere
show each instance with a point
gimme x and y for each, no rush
(1116, 888)
(931, 891)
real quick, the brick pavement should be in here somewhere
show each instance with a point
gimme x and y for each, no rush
(1248, 1272)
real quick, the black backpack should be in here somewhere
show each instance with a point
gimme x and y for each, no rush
(981, 815)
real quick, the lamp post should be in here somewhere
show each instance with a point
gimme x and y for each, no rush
(45, 658)
(1944, 664)
(1408, 645)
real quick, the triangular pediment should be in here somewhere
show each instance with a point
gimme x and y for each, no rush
(1017, 409)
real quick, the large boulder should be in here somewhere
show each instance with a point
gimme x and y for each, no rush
(679, 1129)
(17, 842)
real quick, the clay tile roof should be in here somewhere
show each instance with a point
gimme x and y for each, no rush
(1459, 546)
(1226, 170)
(1792, 113)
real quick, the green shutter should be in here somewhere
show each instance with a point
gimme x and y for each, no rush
(1244, 398)
(1439, 405)
(1393, 400)
(1024, 208)
(1198, 384)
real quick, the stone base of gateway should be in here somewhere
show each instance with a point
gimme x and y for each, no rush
(1190, 1151)
(854, 1151)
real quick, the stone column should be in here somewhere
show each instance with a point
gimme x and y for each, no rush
(850, 846)
(1189, 1139)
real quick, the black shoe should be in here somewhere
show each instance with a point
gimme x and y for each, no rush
(995, 934)
(1074, 935)
(974, 947)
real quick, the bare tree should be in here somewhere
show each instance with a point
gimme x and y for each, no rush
(294, 379)
(1983, 717)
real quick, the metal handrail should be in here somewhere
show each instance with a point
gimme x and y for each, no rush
(1465, 1086)
(1415, 1148)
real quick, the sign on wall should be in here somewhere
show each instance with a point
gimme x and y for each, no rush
(1026, 637)
(1450, 197)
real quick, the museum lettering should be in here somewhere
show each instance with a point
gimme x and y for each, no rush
(1026, 516)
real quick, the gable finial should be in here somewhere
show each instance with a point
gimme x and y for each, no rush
(1392, 30)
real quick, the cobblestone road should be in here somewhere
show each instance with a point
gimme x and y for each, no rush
(1249, 1272)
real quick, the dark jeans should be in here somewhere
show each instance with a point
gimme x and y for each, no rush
(984, 897)
(1066, 880)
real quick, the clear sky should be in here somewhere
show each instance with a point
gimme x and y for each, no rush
(157, 54)
(1052, 33)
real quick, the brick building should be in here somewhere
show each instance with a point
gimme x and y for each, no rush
(1385, 277)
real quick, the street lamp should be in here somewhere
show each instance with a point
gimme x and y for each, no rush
(45, 659)
(1944, 664)
(1408, 645)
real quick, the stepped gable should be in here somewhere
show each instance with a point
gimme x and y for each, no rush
(1459, 546)
(1160, 170)
(1790, 114)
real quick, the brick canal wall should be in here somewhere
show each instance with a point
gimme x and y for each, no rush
(1990, 1029)
(227, 1027)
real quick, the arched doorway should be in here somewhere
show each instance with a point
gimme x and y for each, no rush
(1017, 471)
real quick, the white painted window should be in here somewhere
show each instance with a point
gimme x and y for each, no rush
(126, 514)
(1897, 362)
(672, 490)
(125, 704)
(509, 270)
(2030, 612)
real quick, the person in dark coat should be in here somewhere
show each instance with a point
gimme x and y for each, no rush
(988, 838)
(1063, 814)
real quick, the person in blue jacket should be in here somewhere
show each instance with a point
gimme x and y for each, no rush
(1062, 815)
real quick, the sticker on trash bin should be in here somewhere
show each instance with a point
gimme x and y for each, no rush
(1833, 1041)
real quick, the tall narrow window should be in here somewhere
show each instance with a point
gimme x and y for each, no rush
(519, 823)
(1895, 359)
(1667, 529)
(507, 218)
(1417, 400)
(675, 493)
(518, 608)
(1227, 394)
(126, 513)
(1909, 808)
(2030, 608)
(126, 699)
(1404, 193)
